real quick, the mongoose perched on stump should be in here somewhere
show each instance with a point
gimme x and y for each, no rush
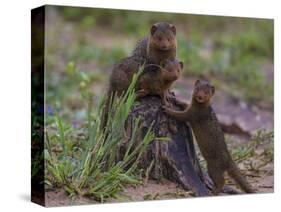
(156, 80)
(160, 45)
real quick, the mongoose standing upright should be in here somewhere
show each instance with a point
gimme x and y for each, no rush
(156, 80)
(210, 137)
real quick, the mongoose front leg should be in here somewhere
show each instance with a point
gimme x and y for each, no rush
(141, 93)
(164, 96)
(179, 115)
(181, 103)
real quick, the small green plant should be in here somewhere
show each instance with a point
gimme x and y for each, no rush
(262, 139)
(90, 168)
(101, 55)
(256, 154)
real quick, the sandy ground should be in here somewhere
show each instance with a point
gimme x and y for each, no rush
(153, 191)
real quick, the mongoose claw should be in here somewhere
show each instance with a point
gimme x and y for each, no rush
(165, 108)
(140, 93)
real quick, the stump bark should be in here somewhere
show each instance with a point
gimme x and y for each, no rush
(175, 159)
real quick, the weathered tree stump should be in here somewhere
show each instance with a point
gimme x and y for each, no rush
(175, 159)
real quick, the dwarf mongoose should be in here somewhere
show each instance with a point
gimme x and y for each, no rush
(210, 137)
(156, 80)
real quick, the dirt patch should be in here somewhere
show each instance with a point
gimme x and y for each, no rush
(152, 190)
(157, 190)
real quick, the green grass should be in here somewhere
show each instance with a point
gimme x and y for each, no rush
(261, 140)
(103, 56)
(88, 166)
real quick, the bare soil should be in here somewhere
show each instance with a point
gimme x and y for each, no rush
(153, 191)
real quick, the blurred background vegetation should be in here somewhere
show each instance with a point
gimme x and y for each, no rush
(235, 53)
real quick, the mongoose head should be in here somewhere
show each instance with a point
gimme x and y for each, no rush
(163, 36)
(171, 69)
(203, 92)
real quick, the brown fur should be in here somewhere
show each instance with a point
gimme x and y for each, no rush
(159, 80)
(122, 74)
(160, 45)
(210, 137)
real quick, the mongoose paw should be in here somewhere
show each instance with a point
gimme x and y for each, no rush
(165, 108)
(141, 93)
(165, 102)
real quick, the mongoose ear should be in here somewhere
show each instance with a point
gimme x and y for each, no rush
(213, 89)
(153, 29)
(181, 64)
(197, 82)
(174, 30)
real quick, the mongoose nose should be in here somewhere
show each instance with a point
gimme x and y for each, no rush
(200, 98)
(174, 78)
(164, 46)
